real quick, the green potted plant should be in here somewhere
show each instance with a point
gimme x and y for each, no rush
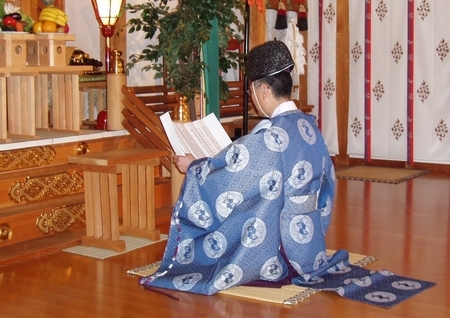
(181, 33)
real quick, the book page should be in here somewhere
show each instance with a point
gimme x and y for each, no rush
(174, 140)
(187, 139)
(202, 138)
(207, 136)
(219, 135)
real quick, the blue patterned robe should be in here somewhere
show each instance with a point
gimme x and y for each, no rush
(271, 188)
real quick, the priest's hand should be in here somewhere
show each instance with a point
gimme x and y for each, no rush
(183, 162)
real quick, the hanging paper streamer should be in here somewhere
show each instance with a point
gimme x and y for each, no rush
(281, 21)
(294, 41)
(302, 22)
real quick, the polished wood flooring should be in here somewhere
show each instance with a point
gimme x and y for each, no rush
(406, 226)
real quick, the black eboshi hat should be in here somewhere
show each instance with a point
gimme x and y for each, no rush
(268, 59)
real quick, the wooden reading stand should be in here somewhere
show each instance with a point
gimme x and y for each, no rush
(100, 172)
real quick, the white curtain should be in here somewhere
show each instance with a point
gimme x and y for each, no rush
(82, 23)
(432, 81)
(399, 81)
(356, 125)
(321, 59)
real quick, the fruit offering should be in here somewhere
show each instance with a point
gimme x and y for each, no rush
(12, 18)
(51, 20)
(13, 22)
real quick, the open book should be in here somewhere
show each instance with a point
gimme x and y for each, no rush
(202, 138)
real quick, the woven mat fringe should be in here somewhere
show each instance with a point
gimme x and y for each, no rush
(144, 270)
(300, 296)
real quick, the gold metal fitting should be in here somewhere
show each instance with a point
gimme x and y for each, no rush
(5, 232)
(82, 148)
(181, 111)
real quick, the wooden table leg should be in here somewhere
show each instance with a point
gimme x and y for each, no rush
(102, 215)
(138, 191)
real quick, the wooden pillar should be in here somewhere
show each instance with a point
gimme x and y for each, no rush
(342, 80)
(257, 26)
(114, 84)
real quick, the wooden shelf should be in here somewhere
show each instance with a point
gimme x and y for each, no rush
(38, 70)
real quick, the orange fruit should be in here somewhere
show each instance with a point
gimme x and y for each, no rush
(37, 27)
(49, 27)
(19, 27)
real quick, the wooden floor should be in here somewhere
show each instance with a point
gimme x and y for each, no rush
(406, 226)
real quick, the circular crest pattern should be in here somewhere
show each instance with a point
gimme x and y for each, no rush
(301, 229)
(276, 139)
(381, 297)
(215, 244)
(200, 214)
(362, 282)
(253, 232)
(272, 269)
(187, 281)
(227, 202)
(406, 285)
(229, 276)
(186, 251)
(307, 131)
(270, 185)
(201, 171)
(302, 173)
(237, 158)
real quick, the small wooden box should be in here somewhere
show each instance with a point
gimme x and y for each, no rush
(33, 58)
(52, 49)
(13, 49)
